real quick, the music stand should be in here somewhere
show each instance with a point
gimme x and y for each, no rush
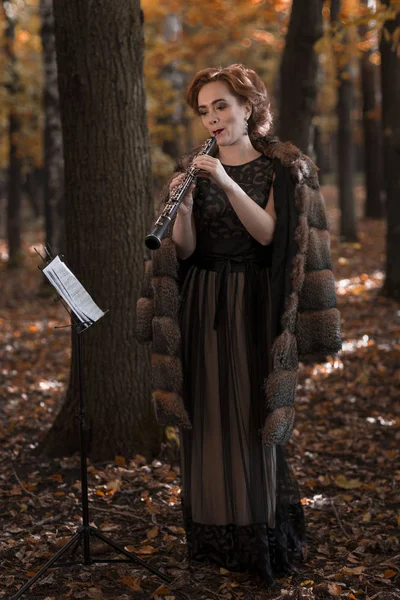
(83, 313)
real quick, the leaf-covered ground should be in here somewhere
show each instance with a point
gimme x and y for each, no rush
(345, 452)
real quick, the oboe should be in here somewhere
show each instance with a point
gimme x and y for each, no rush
(153, 239)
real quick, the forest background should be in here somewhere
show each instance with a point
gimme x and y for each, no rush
(85, 180)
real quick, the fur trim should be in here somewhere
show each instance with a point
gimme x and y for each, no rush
(166, 372)
(272, 147)
(289, 316)
(144, 316)
(166, 336)
(318, 291)
(278, 426)
(284, 352)
(317, 213)
(302, 198)
(165, 262)
(301, 234)
(281, 384)
(319, 254)
(281, 389)
(298, 265)
(166, 297)
(147, 289)
(170, 410)
(318, 332)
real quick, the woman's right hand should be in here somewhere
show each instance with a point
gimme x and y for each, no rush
(186, 205)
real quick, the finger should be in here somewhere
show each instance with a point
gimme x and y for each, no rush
(176, 181)
(178, 178)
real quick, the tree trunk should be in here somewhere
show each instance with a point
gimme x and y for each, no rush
(345, 148)
(172, 73)
(109, 207)
(53, 150)
(14, 164)
(391, 152)
(373, 166)
(298, 73)
(319, 151)
(32, 187)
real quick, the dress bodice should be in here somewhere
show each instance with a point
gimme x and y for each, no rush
(218, 229)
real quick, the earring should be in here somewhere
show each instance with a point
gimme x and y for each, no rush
(246, 127)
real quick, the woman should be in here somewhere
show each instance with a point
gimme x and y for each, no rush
(241, 287)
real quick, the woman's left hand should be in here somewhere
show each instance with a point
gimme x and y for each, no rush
(211, 168)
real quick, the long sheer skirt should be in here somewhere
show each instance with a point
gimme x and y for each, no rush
(240, 499)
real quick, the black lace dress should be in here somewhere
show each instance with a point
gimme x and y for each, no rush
(240, 500)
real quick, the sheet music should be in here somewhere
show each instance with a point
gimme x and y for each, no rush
(72, 291)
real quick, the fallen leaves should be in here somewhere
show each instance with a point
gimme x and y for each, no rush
(347, 484)
(133, 583)
(344, 455)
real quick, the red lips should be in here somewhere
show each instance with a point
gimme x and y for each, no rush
(217, 131)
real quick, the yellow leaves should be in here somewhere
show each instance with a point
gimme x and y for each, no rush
(120, 461)
(172, 435)
(152, 533)
(113, 486)
(23, 36)
(348, 484)
(163, 590)
(375, 58)
(307, 583)
(110, 488)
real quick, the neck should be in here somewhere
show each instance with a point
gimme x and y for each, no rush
(240, 152)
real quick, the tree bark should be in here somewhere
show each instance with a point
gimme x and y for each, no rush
(390, 62)
(109, 207)
(32, 188)
(298, 89)
(346, 158)
(53, 150)
(373, 166)
(14, 164)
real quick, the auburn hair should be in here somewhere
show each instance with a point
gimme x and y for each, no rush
(245, 84)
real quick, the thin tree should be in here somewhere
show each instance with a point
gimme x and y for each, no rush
(14, 163)
(109, 207)
(53, 150)
(390, 61)
(345, 145)
(370, 81)
(298, 73)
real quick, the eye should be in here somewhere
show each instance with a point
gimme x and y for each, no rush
(221, 107)
(202, 114)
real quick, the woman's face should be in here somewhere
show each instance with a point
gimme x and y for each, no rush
(221, 113)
